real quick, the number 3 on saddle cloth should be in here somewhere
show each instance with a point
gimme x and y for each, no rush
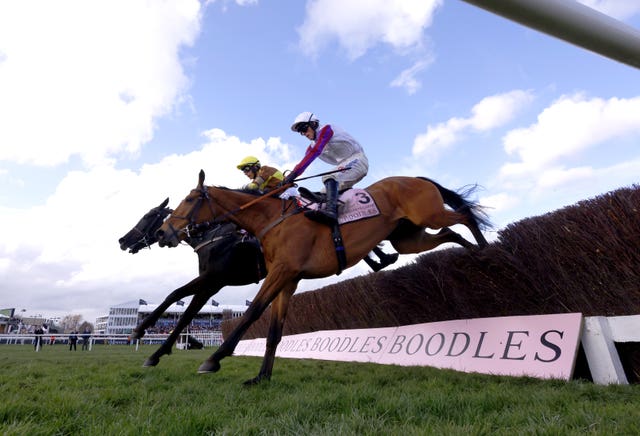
(353, 205)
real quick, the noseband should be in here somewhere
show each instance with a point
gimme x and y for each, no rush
(146, 237)
(192, 227)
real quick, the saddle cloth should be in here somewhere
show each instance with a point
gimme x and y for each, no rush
(353, 205)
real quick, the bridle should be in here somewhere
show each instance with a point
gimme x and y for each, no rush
(146, 237)
(192, 227)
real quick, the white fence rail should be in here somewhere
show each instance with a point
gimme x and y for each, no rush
(208, 339)
(599, 336)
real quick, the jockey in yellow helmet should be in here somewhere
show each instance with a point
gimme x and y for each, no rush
(263, 178)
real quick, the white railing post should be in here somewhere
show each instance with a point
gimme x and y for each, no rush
(600, 349)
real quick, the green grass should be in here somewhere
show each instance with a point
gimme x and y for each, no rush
(107, 392)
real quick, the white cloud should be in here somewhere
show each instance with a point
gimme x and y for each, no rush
(571, 124)
(75, 67)
(491, 112)
(557, 187)
(498, 202)
(497, 110)
(359, 26)
(551, 154)
(75, 256)
(620, 9)
(407, 78)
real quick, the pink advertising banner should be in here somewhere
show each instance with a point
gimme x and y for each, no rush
(542, 346)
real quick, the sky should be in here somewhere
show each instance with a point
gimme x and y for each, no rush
(109, 107)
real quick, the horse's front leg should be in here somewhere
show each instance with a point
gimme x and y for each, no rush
(194, 307)
(278, 314)
(278, 280)
(212, 364)
(182, 292)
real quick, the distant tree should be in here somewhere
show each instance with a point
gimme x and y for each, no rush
(84, 325)
(71, 323)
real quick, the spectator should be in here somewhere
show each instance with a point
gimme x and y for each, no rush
(38, 341)
(73, 340)
(86, 335)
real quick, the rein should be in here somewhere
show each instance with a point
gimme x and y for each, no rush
(204, 194)
(276, 222)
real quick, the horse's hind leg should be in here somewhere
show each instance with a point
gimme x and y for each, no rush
(477, 234)
(419, 240)
(445, 218)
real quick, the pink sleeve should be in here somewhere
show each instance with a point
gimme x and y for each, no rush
(324, 135)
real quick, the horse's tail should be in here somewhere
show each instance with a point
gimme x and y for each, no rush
(459, 202)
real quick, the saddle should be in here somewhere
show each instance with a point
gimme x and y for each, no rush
(354, 204)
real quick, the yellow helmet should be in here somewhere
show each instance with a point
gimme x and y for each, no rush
(249, 160)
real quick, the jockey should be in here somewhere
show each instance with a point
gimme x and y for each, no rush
(333, 146)
(336, 147)
(263, 178)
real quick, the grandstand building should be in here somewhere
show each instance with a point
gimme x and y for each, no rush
(123, 318)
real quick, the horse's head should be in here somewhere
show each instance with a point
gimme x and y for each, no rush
(143, 234)
(195, 209)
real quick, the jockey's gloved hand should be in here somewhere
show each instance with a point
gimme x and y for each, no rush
(289, 178)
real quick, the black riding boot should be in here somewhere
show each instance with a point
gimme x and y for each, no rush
(329, 214)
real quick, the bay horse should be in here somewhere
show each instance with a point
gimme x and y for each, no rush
(297, 248)
(226, 257)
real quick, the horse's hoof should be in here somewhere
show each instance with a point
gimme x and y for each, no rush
(150, 362)
(137, 335)
(255, 381)
(209, 366)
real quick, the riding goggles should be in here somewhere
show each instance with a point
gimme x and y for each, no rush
(302, 128)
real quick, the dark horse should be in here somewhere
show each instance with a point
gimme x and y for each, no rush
(226, 257)
(142, 235)
(296, 248)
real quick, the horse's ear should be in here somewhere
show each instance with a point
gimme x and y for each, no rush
(201, 179)
(164, 203)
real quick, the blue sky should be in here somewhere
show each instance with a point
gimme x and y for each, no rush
(107, 108)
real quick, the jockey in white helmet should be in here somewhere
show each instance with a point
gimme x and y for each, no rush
(334, 146)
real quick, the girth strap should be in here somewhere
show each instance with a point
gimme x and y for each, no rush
(340, 252)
